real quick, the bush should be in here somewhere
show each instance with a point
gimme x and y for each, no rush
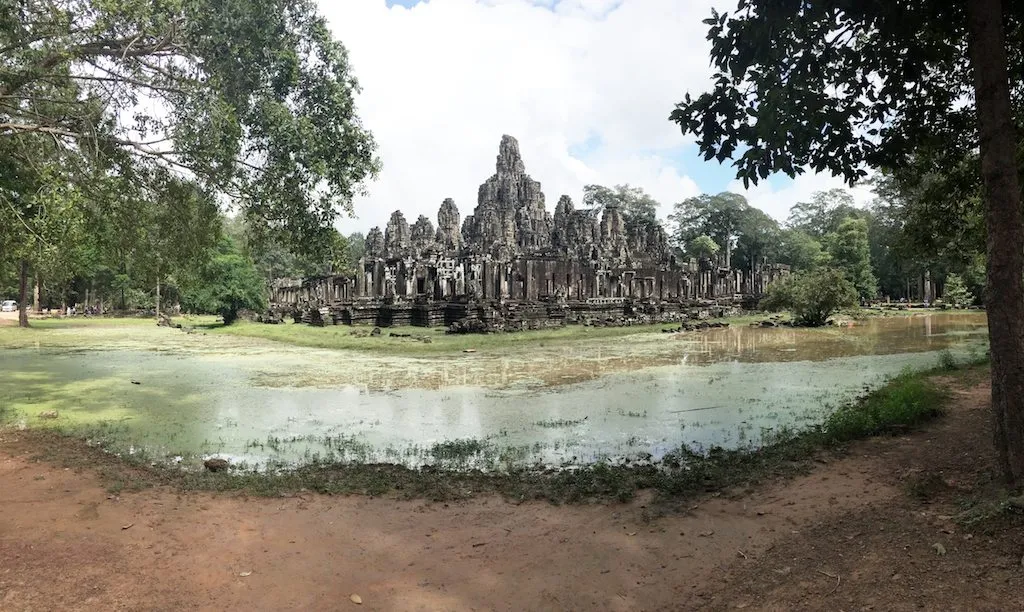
(956, 293)
(812, 296)
(228, 284)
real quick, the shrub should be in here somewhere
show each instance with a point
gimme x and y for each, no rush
(956, 293)
(812, 296)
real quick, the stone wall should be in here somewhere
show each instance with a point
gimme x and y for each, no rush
(512, 264)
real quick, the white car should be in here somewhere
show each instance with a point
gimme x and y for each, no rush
(8, 306)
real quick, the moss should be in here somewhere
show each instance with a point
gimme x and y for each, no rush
(907, 401)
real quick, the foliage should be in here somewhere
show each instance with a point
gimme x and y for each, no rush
(251, 99)
(849, 251)
(702, 247)
(812, 296)
(939, 210)
(717, 216)
(824, 85)
(638, 208)
(356, 247)
(227, 284)
(800, 251)
(757, 240)
(925, 220)
(956, 292)
(732, 223)
(275, 259)
(824, 213)
(906, 401)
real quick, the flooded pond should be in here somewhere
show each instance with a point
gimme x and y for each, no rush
(270, 404)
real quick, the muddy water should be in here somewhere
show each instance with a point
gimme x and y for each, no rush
(267, 404)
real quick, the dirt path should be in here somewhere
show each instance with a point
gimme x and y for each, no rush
(846, 536)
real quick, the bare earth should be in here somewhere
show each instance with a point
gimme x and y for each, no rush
(845, 537)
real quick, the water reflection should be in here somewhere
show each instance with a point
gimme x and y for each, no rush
(646, 393)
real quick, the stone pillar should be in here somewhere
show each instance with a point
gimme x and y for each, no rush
(486, 281)
(503, 272)
(530, 279)
(378, 279)
(359, 290)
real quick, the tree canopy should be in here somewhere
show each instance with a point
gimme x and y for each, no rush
(639, 209)
(841, 87)
(849, 252)
(702, 247)
(227, 284)
(155, 116)
(255, 100)
(824, 213)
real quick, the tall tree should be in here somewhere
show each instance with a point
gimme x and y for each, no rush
(836, 86)
(41, 220)
(702, 247)
(928, 216)
(730, 221)
(800, 251)
(251, 99)
(356, 247)
(824, 213)
(757, 241)
(639, 209)
(228, 283)
(850, 253)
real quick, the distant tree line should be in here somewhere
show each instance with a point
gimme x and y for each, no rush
(174, 251)
(891, 248)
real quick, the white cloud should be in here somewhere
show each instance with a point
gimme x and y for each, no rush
(776, 202)
(443, 80)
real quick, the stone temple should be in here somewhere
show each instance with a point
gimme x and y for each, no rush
(513, 265)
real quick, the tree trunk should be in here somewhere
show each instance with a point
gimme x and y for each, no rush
(23, 293)
(1005, 236)
(37, 294)
(157, 296)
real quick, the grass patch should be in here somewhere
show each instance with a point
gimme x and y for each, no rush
(906, 401)
(81, 332)
(457, 450)
(345, 337)
(947, 361)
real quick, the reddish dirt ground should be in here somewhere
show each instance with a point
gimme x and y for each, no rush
(847, 536)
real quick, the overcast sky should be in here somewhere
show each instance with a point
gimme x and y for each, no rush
(586, 87)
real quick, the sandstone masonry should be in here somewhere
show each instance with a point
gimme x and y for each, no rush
(512, 265)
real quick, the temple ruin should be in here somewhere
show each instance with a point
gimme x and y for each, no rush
(513, 265)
